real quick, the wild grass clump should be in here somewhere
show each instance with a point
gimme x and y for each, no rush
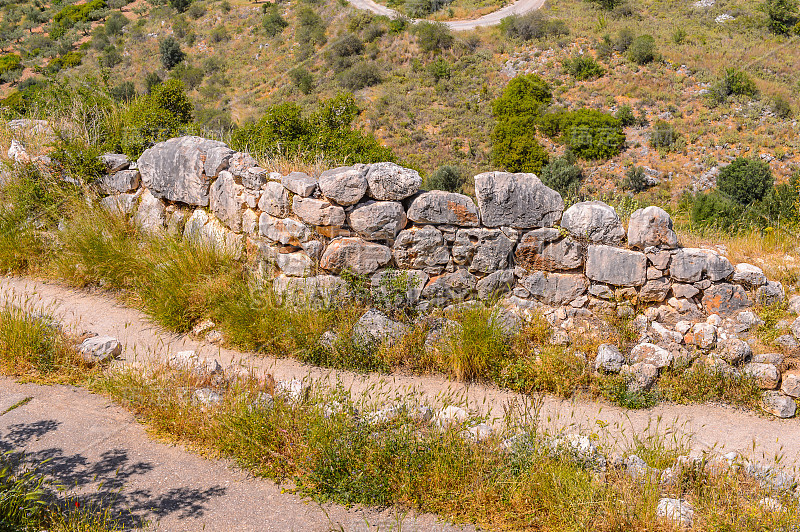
(701, 385)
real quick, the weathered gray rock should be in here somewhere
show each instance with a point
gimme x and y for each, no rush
(151, 214)
(217, 159)
(400, 288)
(778, 405)
(115, 162)
(297, 264)
(121, 203)
(766, 375)
(345, 185)
(275, 200)
(227, 201)
(790, 383)
(608, 359)
(378, 220)
(651, 354)
(174, 169)
(615, 266)
(119, 182)
(254, 178)
(100, 348)
(207, 230)
(651, 226)
(725, 299)
(355, 254)
(391, 182)
(516, 200)
(318, 212)
(735, 351)
(421, 249)
(323, 289)
(449, 288)
(555, 288)
(239, 163)
(300, 183)
(439, 207)
(284, 230)
(676, 511)
(640, 376)
(702, 335)
(685, 291)
(655, 290)
(594, 221)
(496, 284)
(771, 293)
(482, 250)
(690, 265)
(749, 275)
(544, 249)
(377, 328)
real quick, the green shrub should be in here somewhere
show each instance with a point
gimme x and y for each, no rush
(273, 23)
(124, 92)
(733, 82)
(643, 50)
(312, 28)
(71, 15)
(563, 175)
(196, 10)
(373, 32)
(745, 180)
(624, 39)
(531, 26)
(114, 24)
(583, 67)
(151, 79)
(360, 75)
(440, 69)
(68, 60)
(190, 76)
(158, 116)
(111, 57)
(782, 107)
(10, 67)
(302, 79)
(433, 36)
(515, 147)
(78, 160)
(781, 15)
(219, 34)
(663, 135)
(343, 53)
(170, 52)
(635, 180)
(180, 5)
(606, 5)
(589, 134)
(418, 8)
(524, 96)
(625, 116)
(447, 177)
(715, 210)
(328, 132)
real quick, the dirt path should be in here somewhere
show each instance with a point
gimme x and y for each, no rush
(517, 8)
(706, 426)
(98, 450)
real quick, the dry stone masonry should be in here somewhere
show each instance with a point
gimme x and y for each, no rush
(515, 243)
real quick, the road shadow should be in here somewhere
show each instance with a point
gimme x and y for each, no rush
(103, 482)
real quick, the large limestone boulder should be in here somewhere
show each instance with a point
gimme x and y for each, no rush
(544, 249)
(439, 207)
(391, 182)
(725, 299)
(749, 275)
(120, 182)
(376, 327)
(615, 266)
(378, 220)
(297, 264)
(355, 254)
(651, 226)
(516, 200)
(421, 248)
(174, 170)
(284, 230)
(227, 201)
(482, 250)
(299, 183)
(151, 213)
(345, 185)
(275, 200)
(207, 230)
(450, 288)
(217, 160)
(690, 265)
(555, 288)
(496, 284)
(655, 290)
(593, 221)
(318, 212)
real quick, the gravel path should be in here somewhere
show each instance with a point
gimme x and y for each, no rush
(706, 427)
(491, 19)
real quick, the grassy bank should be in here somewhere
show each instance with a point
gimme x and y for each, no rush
(328, 445)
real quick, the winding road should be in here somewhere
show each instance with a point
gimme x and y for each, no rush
(491, 19)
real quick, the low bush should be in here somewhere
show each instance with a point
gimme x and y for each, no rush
(343, 53)
(625, 116)
(302, 79)
(71, 15)
(643, 50)
(273, 23)
(433, 37)
(524, 96)
(635, 180)
(663, 135)
(311, 28)
(563, 175)
(531, 26)
(78, 159)
(782, 15)
(624, 39)
(447, 177)
(745, 181)
(713, 210)
(733, 82)
(588, 133)
(170, 52)
(515, 147)
(583, 67)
